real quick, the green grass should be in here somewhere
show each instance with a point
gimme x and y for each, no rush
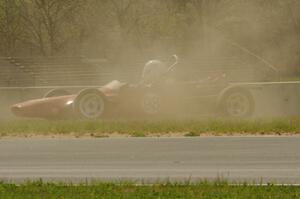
(146, 128)
(290, 78)
(130, 191)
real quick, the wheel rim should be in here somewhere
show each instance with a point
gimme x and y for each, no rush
(151, 104)
(91, 106)
(238, 105)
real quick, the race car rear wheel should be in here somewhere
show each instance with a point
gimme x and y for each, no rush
(151, 104)
(237, 103)
(89, 104)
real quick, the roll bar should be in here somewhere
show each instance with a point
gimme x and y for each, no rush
(175, 57)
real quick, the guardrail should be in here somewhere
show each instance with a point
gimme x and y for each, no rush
(68, 71)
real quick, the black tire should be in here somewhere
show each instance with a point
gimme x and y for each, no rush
(56, 93)
(237, 103)
(89, 104)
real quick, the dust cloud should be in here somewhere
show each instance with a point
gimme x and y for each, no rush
(220, 44)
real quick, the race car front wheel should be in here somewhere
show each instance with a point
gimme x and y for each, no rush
(89, 104)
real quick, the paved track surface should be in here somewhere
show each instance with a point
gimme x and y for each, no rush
(148, 160)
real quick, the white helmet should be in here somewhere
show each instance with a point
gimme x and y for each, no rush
(153, 70)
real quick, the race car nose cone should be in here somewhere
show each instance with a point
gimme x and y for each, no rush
(17, 110)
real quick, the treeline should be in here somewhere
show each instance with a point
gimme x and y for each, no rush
(122, 30)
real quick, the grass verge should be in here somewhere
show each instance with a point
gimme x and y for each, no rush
(79, 128)
(114, 191)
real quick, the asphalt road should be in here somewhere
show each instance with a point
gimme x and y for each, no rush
(148, 160)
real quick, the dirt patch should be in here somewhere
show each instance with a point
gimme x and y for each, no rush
(159, 135)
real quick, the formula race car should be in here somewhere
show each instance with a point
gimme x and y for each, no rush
(154, 96)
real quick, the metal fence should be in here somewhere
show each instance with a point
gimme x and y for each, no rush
(70, 71)
(27, 78)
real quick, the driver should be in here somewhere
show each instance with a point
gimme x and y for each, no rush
(153, 71)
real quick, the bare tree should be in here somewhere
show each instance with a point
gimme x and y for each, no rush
(121, 28)
(51, 22)
(10, 25)
(126, 14)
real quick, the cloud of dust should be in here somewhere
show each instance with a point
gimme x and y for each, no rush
(246, 40)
